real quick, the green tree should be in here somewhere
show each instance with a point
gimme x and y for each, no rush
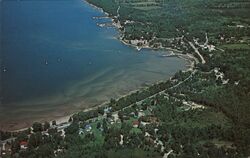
(46, 126)
(45, 151)
(72, 129)
(37, 127)
(54, 122)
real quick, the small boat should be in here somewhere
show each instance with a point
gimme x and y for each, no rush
(59, 60)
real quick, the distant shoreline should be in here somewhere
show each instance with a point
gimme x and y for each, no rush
(188, 57)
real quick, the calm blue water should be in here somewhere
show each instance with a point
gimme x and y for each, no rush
(54, 54)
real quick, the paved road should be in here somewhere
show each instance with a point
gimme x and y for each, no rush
(197, 52)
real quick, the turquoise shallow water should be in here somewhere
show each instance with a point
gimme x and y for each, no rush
(56, 60)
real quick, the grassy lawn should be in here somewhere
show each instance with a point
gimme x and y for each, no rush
(97, 133)
(135, 130)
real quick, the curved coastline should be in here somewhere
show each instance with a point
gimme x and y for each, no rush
(174, 52)
(62, 119)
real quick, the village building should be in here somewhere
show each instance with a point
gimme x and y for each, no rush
(136, 124)
(23, 145)
(149, 119)
(107, 110)
(81, 131)
(88, 128)
(140, 114)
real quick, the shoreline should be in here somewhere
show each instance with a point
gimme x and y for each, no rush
(187, 57)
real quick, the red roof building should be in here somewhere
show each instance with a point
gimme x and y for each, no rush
(136, 123)
(23, 145)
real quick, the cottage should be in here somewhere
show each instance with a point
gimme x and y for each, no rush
(147, 134)
(144, 123)
(81, 131)
(140, 114)
(107, 110)
(88, 128)
(149, 119)
(23, 145)
(115, 116)
(136, 124)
